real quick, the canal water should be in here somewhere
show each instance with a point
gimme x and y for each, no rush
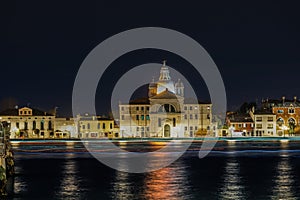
(240, 170)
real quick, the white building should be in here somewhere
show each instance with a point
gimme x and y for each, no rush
(165, 113)
(265, 123)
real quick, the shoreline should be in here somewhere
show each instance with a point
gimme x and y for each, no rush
(141, 140)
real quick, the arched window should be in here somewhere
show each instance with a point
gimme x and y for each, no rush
(292, 121)
(34, 125)
(174, 122)
(25, 125)
(280, 121)
(42, 125)
(49, 125)
(167, 108)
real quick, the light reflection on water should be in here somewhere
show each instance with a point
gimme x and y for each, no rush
(248, 173)
(69, 183)
(284, 181)
(233, 187)
(168, 183)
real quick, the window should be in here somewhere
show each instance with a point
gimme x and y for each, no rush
(137, 128)
(174, 122)
(103, 126)
(142, 117)
(17, 125)
(185, 128)
(191, 107)
(49, 125)
(137, 108)
(196, 127)
(244, 125)
(280, 121)
(147, 129)
(270, 126)
(291, 110)
(142, 108)
(147, 117)
(110, 126)
(196, 116)
(137, 117)
(122, 117)
(88, 126)
(25, 112)
(122, 108)
(258, 119)
(34, 125)
(167, 108)
(270, 119)
(159, 122)
(185, 116)
(98, 125)
(240, 125)
(259, 126)
(185, 107)
(94, 134)
(191, 116)
(42, 125)
(26, 125)
(279, 111)
(83, 126)
(191, 128)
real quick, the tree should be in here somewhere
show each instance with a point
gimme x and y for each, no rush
(245, 107)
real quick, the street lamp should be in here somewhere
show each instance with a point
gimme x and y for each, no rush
(284, 128)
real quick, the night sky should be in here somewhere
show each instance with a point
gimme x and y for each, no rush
(256, 46)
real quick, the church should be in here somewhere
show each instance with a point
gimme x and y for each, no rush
(165, 113)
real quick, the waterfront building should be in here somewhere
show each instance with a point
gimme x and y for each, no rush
(65, 128)
(265, 123)
(287, 117)
(95, 127)
(29, 122)
(239, 124)
(165, 112)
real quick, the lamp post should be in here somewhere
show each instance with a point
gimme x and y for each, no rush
(284, 128)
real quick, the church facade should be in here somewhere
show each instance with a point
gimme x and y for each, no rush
(165, 113)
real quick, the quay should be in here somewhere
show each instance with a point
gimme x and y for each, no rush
(6, 161)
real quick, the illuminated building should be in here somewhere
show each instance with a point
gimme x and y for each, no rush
(165, 112)
(95, 127)
(29, 122)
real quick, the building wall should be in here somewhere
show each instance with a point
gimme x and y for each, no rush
(265, 125)
(95, 127)
(286, 114)
(19, 129)
(147, 121)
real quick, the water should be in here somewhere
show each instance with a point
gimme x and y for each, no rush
(232, 171)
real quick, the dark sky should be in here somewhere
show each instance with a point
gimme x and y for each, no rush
(256, 45)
